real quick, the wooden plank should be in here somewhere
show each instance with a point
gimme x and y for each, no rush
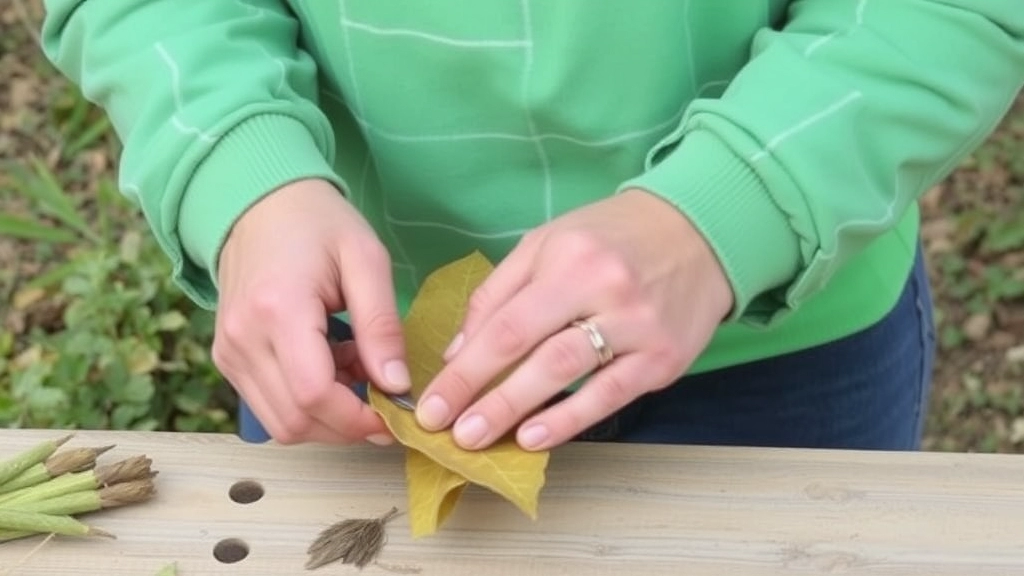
(606, 510)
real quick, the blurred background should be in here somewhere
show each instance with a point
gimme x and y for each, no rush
(94, 335)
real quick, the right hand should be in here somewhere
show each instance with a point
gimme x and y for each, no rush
(295, 256)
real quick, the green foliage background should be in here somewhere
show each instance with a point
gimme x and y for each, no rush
(118, 345)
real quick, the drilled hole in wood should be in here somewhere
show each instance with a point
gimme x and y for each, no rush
(230, 550)
(245, 491)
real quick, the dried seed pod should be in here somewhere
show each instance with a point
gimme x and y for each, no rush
(353, 541)
(28, 458)
(20, 521)
(58, 464)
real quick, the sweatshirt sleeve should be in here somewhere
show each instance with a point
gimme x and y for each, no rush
(840, 120)
(214, 104)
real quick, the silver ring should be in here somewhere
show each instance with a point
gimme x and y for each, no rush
(604, 352)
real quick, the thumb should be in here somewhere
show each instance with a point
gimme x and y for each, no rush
(370, 299)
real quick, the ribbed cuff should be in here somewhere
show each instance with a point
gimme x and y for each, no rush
(727, 202)
(255, 158)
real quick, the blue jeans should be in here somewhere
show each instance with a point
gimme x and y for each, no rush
(868, 390)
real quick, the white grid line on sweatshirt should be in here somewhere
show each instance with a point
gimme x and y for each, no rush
(804, 124)
(430, 37)
(537, 138)
(601, 142)
(538, 144)
(177, 121)
(253, 10)
(888, 213)
(858, 20)
(452, 228)
(437, 138)
(406, 262)
(688, 32)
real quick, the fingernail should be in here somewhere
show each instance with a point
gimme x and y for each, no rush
(380, 439)
(470, 431)
(432, 412)
(454, 347)
(533, 436)
(397, 375)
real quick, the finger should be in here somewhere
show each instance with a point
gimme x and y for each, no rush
(507, 278)
(556, 363)
(263, 387)
(369, 293)
(347, 374)
(258, 403)
(307, 371)
(278, 414)
(607, 391)
(348, 370)
(333, 409)
(535, 312)
(241, 355)
(347, 363)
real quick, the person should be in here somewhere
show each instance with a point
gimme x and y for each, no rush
(702, 215)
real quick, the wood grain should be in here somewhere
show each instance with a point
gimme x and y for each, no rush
(606, 510)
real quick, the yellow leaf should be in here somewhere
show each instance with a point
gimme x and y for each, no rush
(504, 467)
(171, 321)
(433, 492)
(142, 359)
(131, 246)
(436, 467)
(31, 355)
(26, 297)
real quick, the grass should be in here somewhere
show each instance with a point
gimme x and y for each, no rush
(94, 334)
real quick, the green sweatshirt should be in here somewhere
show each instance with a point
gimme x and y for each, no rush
(797, 135)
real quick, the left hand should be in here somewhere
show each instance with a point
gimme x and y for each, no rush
(635, 267)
